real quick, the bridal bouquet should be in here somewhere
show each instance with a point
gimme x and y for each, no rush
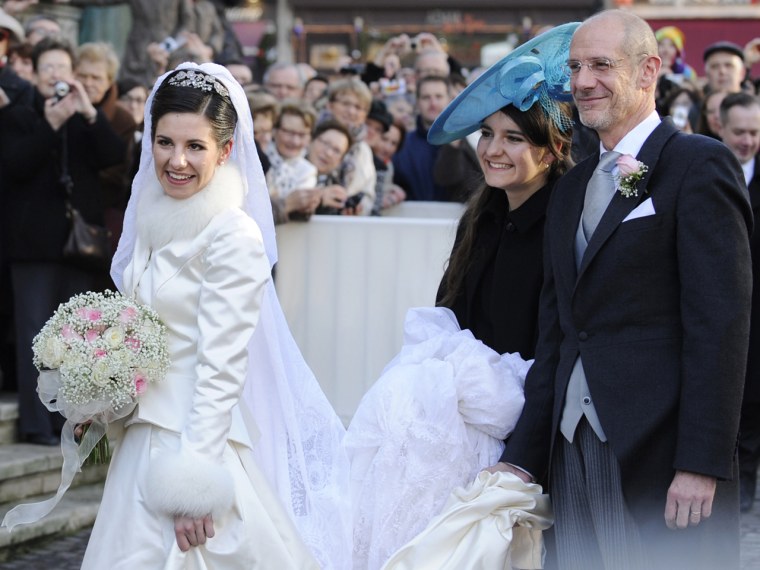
(96, 355)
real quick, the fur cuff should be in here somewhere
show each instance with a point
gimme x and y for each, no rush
(188, 484)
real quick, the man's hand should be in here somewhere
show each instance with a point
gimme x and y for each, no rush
(507, 468)
(690, 499)
(192, 532)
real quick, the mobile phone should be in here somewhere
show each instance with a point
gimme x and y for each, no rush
(353, 200)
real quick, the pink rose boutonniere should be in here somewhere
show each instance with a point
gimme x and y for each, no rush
(631, 172)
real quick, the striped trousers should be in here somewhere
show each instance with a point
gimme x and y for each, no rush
(594, 528)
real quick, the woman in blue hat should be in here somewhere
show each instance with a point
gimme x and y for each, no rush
(442, 408)
(494, 275)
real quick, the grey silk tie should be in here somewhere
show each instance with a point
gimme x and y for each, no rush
(599, 192)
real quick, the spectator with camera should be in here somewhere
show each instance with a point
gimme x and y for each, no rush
(329, 144)
(169, 53)
(60, 133)
(331, 141)
(152, 22)
(428, 55)
(348, 102)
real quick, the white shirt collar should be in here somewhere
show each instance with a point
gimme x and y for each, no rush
(749, 170)
(632, 142)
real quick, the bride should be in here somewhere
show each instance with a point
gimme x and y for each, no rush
(235, 459)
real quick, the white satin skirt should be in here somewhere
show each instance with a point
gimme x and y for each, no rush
(256, 533)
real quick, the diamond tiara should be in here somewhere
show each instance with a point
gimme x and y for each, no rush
(197, 80)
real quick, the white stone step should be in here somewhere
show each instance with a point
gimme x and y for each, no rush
(76, 510)
(8, 418)
(27, 470)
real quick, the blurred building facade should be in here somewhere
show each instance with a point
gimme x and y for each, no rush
(322, 32)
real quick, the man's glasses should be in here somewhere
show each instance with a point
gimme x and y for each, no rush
(598, 66)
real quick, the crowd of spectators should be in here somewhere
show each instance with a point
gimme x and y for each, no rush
(348, 141)
(341, 143)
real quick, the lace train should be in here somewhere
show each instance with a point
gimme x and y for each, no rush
(436, 417)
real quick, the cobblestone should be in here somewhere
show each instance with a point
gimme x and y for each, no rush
(67, 552)
(62, 553)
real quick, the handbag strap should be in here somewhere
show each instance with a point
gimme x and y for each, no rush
(66, 181)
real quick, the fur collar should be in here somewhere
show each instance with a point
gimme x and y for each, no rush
(162, 219)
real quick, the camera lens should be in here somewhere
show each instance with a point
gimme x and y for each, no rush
(61, 89)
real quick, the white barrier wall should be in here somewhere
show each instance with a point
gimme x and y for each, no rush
(345, 284)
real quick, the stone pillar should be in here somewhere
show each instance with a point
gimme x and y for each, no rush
(284, 19)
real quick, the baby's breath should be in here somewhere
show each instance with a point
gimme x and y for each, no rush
(627, 184)
(96, 367)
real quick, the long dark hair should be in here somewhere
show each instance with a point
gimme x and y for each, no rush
(540, 131)
(217, 108)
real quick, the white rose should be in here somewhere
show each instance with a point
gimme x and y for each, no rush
(101, 374)
(114, 336)
(53, 351)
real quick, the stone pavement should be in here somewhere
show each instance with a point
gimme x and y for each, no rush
(59, 554)
(751, 539)
(66, 553)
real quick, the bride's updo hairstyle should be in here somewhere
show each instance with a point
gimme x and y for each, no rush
(192, 91)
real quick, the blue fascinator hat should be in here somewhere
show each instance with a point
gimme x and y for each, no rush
(534, 71)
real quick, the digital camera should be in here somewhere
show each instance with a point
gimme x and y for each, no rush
(61, 89)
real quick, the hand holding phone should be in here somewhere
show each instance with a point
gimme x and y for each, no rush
(352, 202)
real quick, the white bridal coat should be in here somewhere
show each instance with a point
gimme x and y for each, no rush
(187, 447)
